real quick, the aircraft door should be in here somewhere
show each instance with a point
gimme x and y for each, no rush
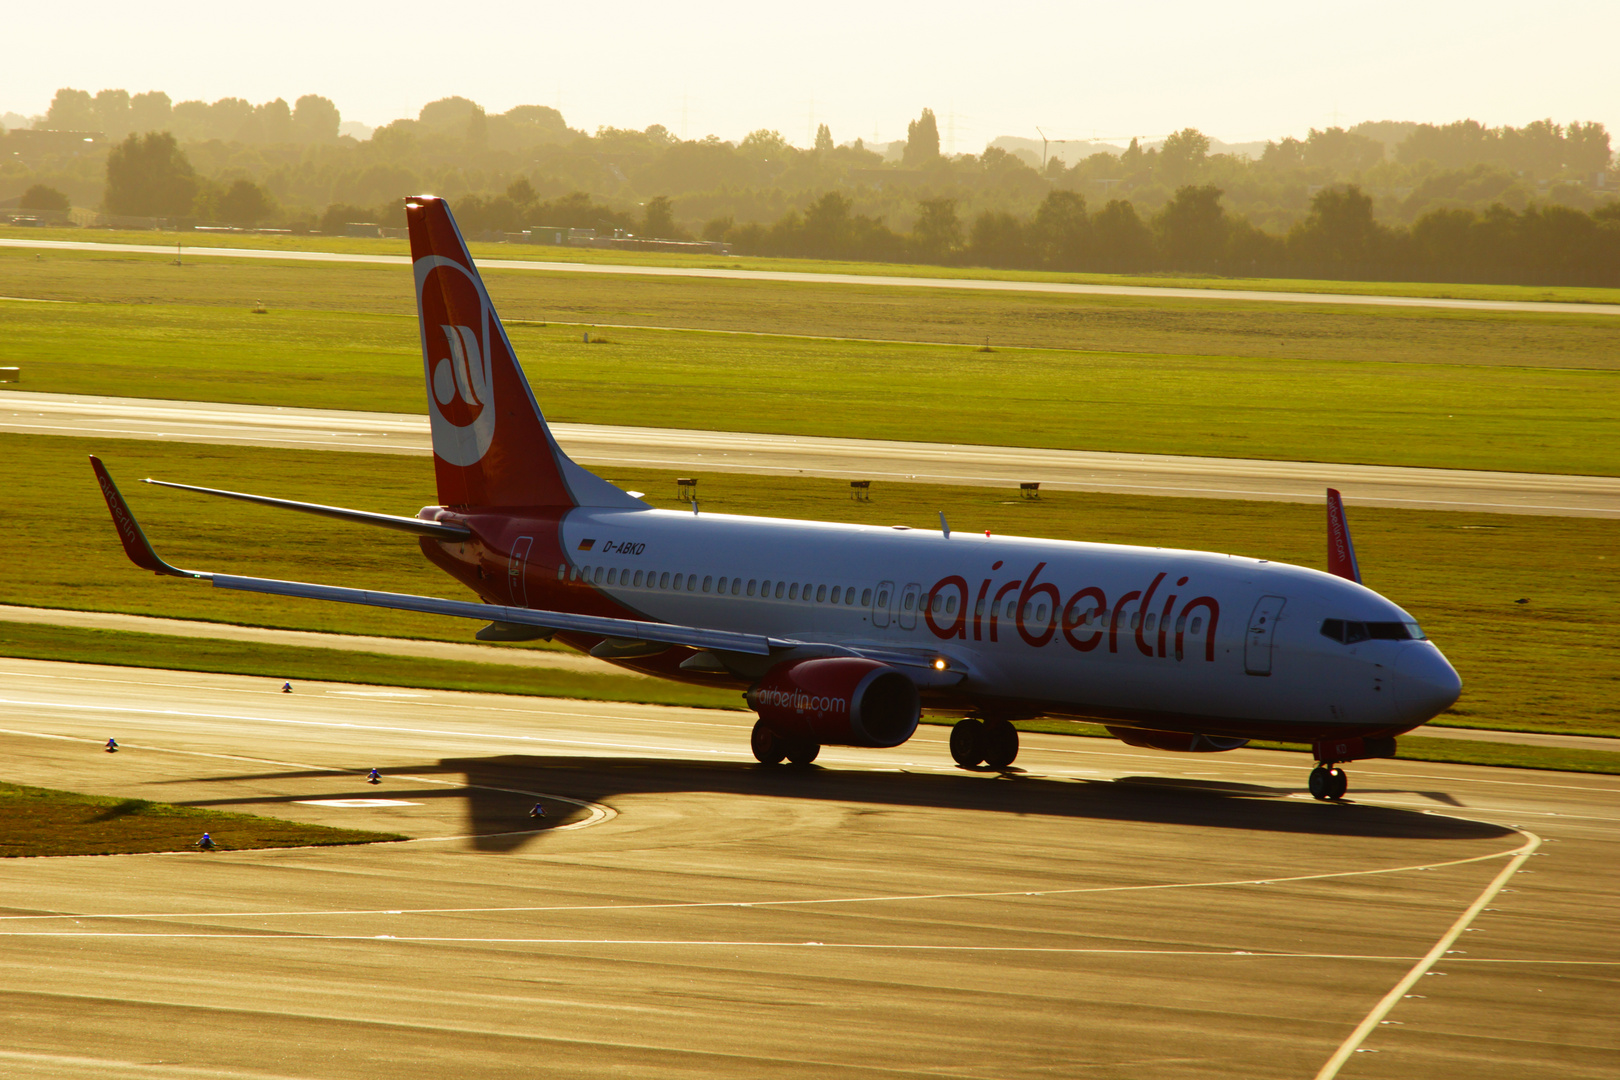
(910, 597)
(880, 603)
(516, 586)
(1257, 641)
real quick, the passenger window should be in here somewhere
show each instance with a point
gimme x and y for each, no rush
(779, 590)
(598, 578)
(821, 593)
(1136, 619)
(573, 573)
(866, 597)
(663, 580)
(750, 586)
(907, 602)
(1197, 624)
(849, 596)
(691, 583)
(562, 571)
(612, 573)
(677, 581)
(793, 591)
(978, 609)
(1152, 620)
(719, 586)
(835, 594)
(708, 582)
(637, 582)
(883, 599)
(736, 586)
(1040, 613)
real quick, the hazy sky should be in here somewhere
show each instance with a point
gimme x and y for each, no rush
(1242, 70)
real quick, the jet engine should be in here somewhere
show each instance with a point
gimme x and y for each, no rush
(1175, 740)
(838, 700)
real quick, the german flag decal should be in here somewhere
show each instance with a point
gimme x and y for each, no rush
(586, 545)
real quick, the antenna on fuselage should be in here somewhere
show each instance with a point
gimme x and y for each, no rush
(944, 526)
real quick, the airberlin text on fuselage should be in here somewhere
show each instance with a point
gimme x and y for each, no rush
(1165, 638)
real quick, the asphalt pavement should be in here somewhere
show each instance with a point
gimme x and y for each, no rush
(1097, 910)
(880, 461)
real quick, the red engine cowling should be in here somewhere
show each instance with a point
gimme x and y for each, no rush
(838, 700)
(1176, 740)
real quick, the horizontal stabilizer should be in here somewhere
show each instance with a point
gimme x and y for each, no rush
(359, 517)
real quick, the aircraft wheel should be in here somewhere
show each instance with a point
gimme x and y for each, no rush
(967, 743)
(802, 752)
(1338, 783)
(1320, 782)
(999, 741)
(768, 749)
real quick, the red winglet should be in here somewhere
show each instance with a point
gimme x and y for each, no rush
(135, 543)
(1341, 552)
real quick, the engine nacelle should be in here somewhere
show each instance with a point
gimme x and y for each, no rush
(838, 700)
(1178, 741)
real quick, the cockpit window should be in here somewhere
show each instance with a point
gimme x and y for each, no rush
(1349, 632)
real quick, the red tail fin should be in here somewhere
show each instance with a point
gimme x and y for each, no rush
(1341, 552)
(491, 445)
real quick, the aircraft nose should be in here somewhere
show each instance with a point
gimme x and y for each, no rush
(1425, 683)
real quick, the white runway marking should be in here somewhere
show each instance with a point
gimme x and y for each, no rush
(1391, 999)
(690, 905)
(354, 803)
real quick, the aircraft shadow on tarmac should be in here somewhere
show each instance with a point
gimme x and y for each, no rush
(498, 808)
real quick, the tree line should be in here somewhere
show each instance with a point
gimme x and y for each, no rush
(1410, 189)
(1193, 233)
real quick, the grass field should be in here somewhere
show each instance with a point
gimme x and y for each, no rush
(41, 821)
(1514, 392)
(365, 246)
(1546, 665)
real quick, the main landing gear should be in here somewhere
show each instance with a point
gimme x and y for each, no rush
(976, 742)
(770, 748)
(1328, 781)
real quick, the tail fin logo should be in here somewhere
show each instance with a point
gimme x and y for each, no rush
(456, 325)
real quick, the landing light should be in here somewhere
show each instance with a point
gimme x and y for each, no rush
(939, 665)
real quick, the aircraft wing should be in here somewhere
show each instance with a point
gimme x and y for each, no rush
(926, 667)
(141, 553)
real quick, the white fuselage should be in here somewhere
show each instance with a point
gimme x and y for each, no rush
(1150, 637)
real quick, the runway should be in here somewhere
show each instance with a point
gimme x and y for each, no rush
(881, 280)
(868, 459)
(1097, 911)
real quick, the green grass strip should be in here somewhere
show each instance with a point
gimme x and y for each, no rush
(41, 821)
(546, 253)
(1408, 748)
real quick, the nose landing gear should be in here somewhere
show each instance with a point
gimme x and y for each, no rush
(1329, 782)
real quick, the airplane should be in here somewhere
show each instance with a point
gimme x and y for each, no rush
(844, 634)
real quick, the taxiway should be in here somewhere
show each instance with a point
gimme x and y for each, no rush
(867, 459)
(1098, 910)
